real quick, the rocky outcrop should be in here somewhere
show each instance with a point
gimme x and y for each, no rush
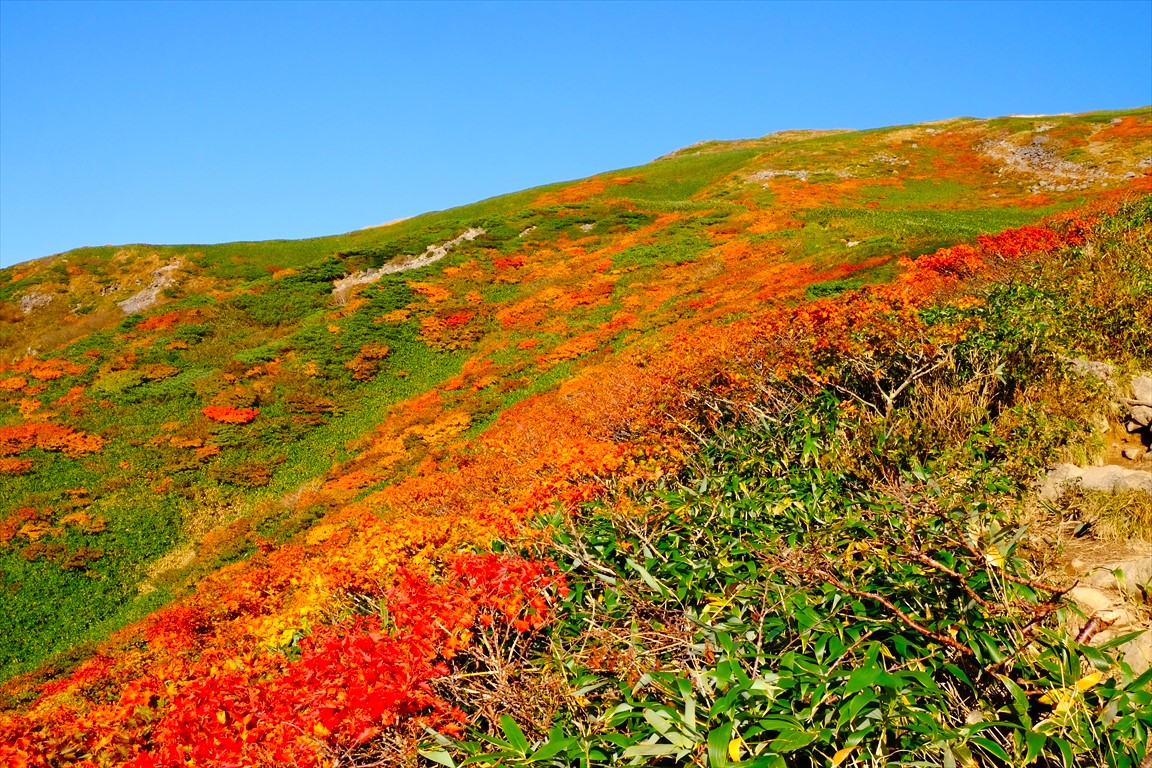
(147, 298)
(1133, 404)
(1048, 170)
(33, 300)
(1106, 479)
(342, 288)
(1116, 596)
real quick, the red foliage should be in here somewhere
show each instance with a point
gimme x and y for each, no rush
(957, 260)
(159, 322)
(352, 679)
(509, 262)
(459, 319)
(226, 414)
(47, 437)
(1013, 243)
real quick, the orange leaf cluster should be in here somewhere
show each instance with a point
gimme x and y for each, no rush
(226, 414)
(48, 437)
(159, 322)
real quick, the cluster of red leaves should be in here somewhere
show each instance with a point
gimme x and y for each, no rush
(458, 319)
(159, 322)
(226, 414)
(1014, 243)
(203, 704)
(509, 262)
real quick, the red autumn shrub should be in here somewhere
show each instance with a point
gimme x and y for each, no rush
(226, 414)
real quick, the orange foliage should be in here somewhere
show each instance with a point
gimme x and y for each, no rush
(1135, 127)
(10, 466)
(226, 414)
(48, 437)
(159, 322)
(367, 362)
(73, 395)
(44, 370)
(205, 681)
(582, 190)
(509, 262)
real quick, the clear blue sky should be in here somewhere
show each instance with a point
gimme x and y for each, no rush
(167, 122)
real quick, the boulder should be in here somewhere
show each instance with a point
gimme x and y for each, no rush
(1141, 414)
(1133, 574)
(1096, 369)
(1090, 599)
(1136, 653)
(1142, 388)
(1106, 479)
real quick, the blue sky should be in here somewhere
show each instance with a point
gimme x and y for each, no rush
(168, 122)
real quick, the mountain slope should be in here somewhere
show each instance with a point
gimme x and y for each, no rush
(285, 430)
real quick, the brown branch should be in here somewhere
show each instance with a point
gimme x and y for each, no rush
(922, 558)
(1056, 591)
(904, 618)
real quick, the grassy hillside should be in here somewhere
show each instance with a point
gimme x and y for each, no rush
(453, 459)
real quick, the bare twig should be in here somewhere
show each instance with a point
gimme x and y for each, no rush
(901, 615)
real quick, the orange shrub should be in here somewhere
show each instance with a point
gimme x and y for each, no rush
(226, 414)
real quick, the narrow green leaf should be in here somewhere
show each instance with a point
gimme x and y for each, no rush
(992, 748)
(1118, 641)
(439, 756)
(514, 735)
(557, 743)
(1035, 741)
(650, 750)
(1065, 751)
(648, 578)
(790, 741)
(718, 739)
(862, 678)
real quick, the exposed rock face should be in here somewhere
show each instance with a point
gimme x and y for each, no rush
(1142, 388)
(1048, 170)
(1115, 601)
(343, 286)
(161, 279)
(1106, 479)
(1135, 402)
(32, 300)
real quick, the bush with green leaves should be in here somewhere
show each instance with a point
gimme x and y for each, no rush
(825, 586)
(771, 610)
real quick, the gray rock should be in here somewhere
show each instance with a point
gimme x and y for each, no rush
(161, 279)
(1141, 414)
(1137, 653)
(342, 287)
(1133, 453)
(1055, 481)
(1133, 574)
(1142, 388)
(1106, 479)
(33, 300)
(1104, 372)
